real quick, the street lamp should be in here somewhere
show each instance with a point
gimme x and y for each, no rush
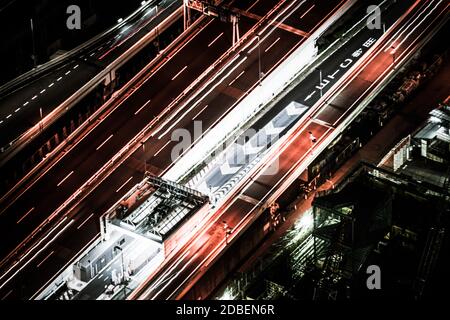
(320, 79)
(227, 230)
(41, 125)
(259, 59)
(394, 49)
(145, 160)
(123, 265)
(33, 43)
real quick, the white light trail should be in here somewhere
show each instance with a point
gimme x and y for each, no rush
(62, 181)
(180, 72)
(104, 142)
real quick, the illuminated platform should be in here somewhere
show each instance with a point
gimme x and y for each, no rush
(138, 232)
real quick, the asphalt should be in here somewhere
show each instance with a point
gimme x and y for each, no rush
(20, 109)
(84, 160)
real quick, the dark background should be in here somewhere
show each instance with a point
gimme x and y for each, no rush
(50, 31)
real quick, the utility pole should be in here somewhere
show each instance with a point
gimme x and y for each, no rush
(41, 124)
(236, 35)
(145, 160)
(393, 54)
(259, 59)
(320, 79)
(33, 43)
(123, 280)
(186, 14)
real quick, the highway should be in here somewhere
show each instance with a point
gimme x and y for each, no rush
(100, 145)
(326, 119)
(26, 104)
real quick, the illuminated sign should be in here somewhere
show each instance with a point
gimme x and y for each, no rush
(196, 5)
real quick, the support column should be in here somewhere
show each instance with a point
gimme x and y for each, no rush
(235, 21)
(186, 14)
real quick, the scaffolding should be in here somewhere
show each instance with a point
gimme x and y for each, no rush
(332, 243)
(348, 224)
(429, 259)
(214, 9)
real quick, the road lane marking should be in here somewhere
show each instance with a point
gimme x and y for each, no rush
(59, 79)
(176, 76)
(234, 80)
(310, 95)
(103, 143)
(334, 74)
(162, 148)
(9, 116)
(85, 220)
(51, 84)
(322, 123)
(67, 73)
(200, 112)
(34, 97)
(26, 103)
(76, 66)
(306, 12)
(274, 43)
(43, 90)
(123, 185)
(62, 181)
(17, 110)
(25, 215)
(45, 259)
(217, 38)
(139, 110)
(172, 123)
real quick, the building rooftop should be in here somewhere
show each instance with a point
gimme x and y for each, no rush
(162, 211)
